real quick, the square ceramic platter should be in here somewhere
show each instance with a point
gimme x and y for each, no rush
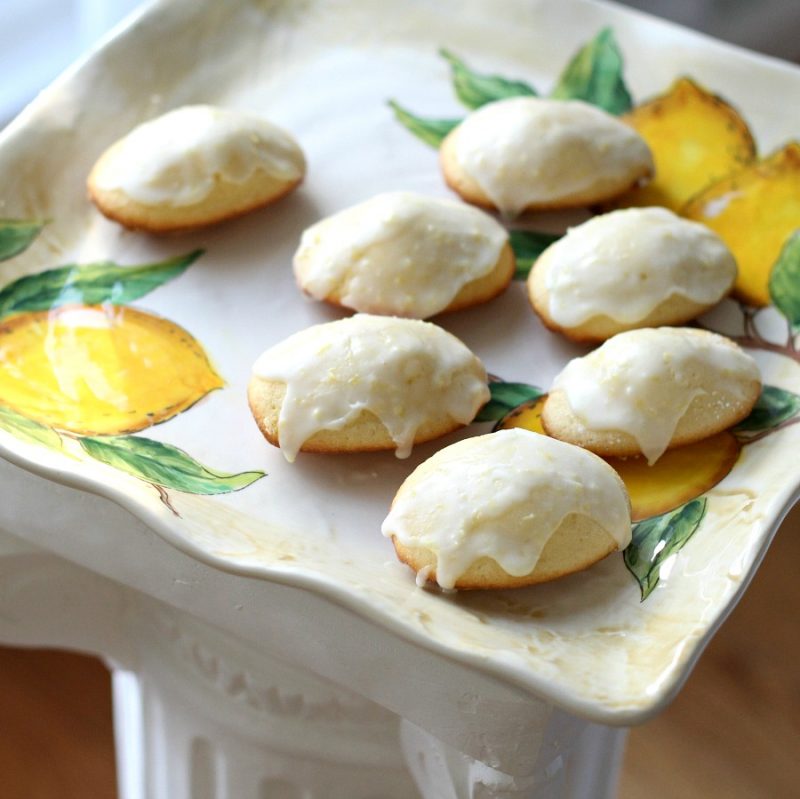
(324, 69)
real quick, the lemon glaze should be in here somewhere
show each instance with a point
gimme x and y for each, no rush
(502, 496)
(641, 382)
(399, 252)
(624, 264)
(177, 158)
(404, 371)
(531, 151)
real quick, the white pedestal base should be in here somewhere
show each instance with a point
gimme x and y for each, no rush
(208, 717)
(201, 713)
(581, 764)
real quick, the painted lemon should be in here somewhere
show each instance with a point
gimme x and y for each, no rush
(528, 416)
(677, 477)
(100, 370)
(695, 138)
(754, 210)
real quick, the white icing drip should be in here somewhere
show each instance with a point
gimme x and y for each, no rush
(422, 576)
(625, 264)
(398, 253)
(177, 158)
(502, 496)
(528, 150)
(404, 371)
(641, 382)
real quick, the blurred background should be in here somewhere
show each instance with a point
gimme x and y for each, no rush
(769, 26)
(732, 733)
(40, 38)
(33, 53)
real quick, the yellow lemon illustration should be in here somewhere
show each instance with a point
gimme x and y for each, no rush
(528, 416)
(677, 477)
(754, 210)
(100, 370)
(695, 137)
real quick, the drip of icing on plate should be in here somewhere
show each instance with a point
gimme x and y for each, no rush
(399, 253)
(623, 265)
(404, 371)
(526, 150)
(642, 382)
(502, 496)
(178, 158)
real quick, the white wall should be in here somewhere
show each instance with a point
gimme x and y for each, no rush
(40, 38)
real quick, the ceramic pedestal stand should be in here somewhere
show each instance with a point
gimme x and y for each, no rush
(227, 687)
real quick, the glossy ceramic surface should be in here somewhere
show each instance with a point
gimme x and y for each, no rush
(130, 382)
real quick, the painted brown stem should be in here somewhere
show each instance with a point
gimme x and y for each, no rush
(758, 343)
(164, 497)
(754, 341)
(771, 430)
(790, 337)
(749, 322)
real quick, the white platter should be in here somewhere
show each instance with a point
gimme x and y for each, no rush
(325, 70)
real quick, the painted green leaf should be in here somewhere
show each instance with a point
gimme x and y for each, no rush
(164, 465)
(27, 430)
(774, 406)
(90, 284)
(431, 131)
(474, 89)
(784, 280)
(655, 539)
(528, 245)
(16, 235)
(506, 397)
(595, 75)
